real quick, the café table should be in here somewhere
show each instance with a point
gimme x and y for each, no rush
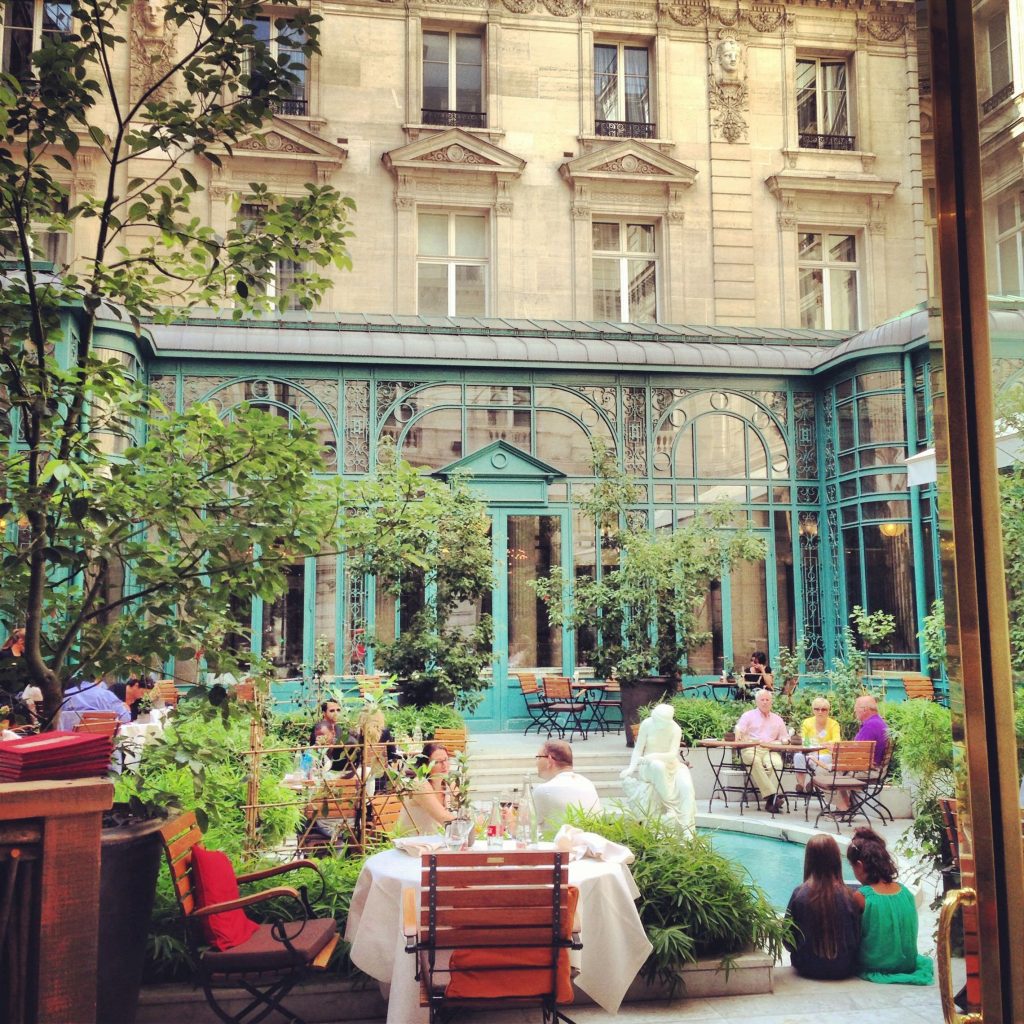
(786, 752)
(615, 945)
(727, 758)
(591, 692)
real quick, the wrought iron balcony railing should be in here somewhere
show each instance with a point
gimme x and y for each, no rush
(294, 107)
(996, 98)
(626, 129)
(811, 141)
(455, 118)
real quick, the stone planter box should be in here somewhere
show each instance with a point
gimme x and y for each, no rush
(319, 1002)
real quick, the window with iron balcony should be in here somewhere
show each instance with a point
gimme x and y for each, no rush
(822, 104)
(284, 39)
(453, 80)
(622, 92)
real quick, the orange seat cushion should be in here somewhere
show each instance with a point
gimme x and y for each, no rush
(513, 972)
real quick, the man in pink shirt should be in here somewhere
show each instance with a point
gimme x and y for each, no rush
(760, 723)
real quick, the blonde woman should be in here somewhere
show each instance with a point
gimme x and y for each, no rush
(817, 731)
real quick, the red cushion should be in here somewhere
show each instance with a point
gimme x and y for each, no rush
(213, 881)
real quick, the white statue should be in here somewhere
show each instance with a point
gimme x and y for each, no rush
(657, 783)
(729, 60)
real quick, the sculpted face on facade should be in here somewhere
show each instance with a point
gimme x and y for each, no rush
(729, 54)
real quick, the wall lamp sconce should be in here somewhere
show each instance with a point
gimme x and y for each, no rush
(809, 529)
(892, 529)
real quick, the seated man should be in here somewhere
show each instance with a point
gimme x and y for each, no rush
(872, 727)
(657, 783)
(762, 725)
(89, 696)
(328, 732)
(560, 787)
(131, 692)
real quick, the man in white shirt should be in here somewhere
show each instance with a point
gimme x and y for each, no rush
(762, 725)
(560, 787)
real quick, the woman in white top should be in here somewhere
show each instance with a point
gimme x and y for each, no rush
(424, 810)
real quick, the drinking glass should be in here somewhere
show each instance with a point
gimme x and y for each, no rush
(457, 833)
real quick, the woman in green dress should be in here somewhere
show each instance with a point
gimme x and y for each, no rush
(888, 929)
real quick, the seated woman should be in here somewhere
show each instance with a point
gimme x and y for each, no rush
(817, 731)
(759, 675)
(888, 932)
(826, 917)
(424, 809)
(657, 783)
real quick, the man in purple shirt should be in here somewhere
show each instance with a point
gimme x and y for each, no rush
(762, 724)
(872, 725)
(88, 696)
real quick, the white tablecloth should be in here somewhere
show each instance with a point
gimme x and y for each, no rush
(615, 945)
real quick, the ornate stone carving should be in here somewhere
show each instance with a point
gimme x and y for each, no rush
(729, 66)
(887, 28)
(153, 45)
(520, 6)
(728, 88)
(580, 211)
(630, 164)
(456, 154)
(562, 8)
(688, 13)
(676, 216)
(766, 17)
(787, 214)
(625, 13)
(727, 17)
(271, 142)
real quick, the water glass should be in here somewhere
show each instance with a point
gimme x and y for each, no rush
(457, 833)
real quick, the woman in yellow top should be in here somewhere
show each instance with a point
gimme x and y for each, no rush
(817, 731)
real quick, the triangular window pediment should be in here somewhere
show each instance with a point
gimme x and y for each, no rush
(278, 138)
(455, 151)
(628, 161)
(501, 460)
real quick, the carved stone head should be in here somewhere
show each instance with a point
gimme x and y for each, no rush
(150, 14)
(729, 53)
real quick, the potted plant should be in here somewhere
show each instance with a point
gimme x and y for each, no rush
(641, 617)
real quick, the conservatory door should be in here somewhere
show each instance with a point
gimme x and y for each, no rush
(527, 546)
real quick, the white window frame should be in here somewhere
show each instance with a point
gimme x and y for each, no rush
(38, 8)
(1000, 22)
(452, 107)
(620, 84)
(453, 262)
(623, 256)
(825, 265)
(1014, 233)
(819, 61)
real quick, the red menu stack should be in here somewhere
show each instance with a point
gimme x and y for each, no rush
(55, 755)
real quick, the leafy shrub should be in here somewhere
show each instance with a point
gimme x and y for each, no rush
(403, 721)
(693, 901)
(701, 717)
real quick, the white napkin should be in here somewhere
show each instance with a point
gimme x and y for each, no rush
(415, 846)
(590, 844)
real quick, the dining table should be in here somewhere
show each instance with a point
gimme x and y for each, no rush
(724, 755)
(615, 945)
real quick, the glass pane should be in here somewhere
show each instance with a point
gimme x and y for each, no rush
(844, 423)
(889, 580)
(486, 425)
(834, 110)
(806, 97)
(719, 444)
(468, 73)
(432, 289)
(812, 299)
(643, 292)
(998, 52)
(605, 237)
(809, 246)
(842, 248)
(607, 294)
(584, 557)
(435, 47)
(57, 17)
(534, 549)
(469, 50)
(282, 624)
(1009, 266)
(470, 291)
(709, 658)
(1006, 215)
(637, 86)
(18, 14)
(880, 419)
(785, 587)
(749, 608)
(640, 237)
(435, 439)
(606, 83)
(324, 623)
(433, 234)
(563, 443)
(471, 237)
(435, 70)
(843, 300)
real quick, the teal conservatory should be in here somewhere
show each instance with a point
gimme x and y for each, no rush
(811, 435)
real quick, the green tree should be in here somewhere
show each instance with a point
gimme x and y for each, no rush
(199, 512)
(1011, 488)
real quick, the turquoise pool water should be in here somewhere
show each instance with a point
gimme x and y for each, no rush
(775, 864)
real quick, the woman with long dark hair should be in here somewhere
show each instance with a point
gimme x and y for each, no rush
(424, 799)
(825, 916)
(888, 941)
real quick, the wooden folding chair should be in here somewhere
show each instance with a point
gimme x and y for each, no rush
(536, 705)
(852, 761)
(565, 710)
(493, 931)
(164, 690)
(382, 816)
(334, 818)
(98, 726)
(270, 963)
(876, 781)
(455, 741)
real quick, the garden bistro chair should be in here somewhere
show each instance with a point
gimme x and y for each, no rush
(382, 816)
(269, 963)
(493, 931)
(454, 741)
(918, 686)
(852, 761)
(564, 708)
(333, 818)
(877, 779)
(611, 700)
(165, 692)
(536, 705)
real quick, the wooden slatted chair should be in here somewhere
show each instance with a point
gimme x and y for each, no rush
(98, 726)
(164, 691)
(536, 705)
(382, 817)
(270, 963)
(454, 741)
(565, 710)
(918, 687)
(852, 761)
(493, 931)
(333, 818)
(876, 781)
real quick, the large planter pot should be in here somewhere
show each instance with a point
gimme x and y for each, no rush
(645, 690)
(129, 865)
(417, 693)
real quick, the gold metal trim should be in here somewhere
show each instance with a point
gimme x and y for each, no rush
(953, 901)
